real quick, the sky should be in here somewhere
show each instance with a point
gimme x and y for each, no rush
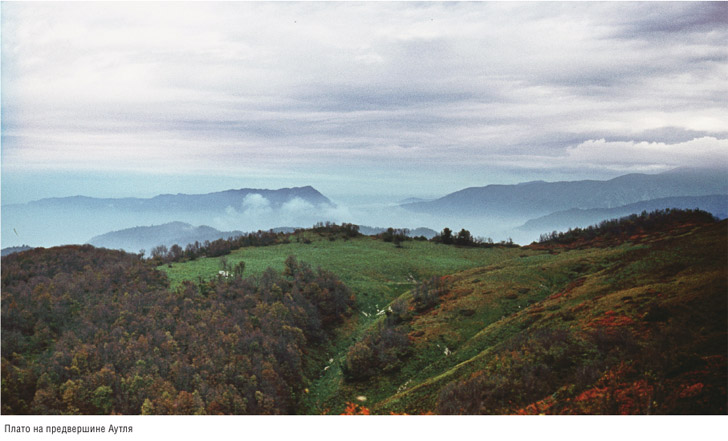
(359, 100)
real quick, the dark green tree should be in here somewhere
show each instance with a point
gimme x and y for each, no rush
(446, 236)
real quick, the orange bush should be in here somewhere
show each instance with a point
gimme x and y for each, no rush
(355, 409)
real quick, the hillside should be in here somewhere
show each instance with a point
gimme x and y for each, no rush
(628, 318)
(540, 198)
(370, 266)
(624, 329)
(94, 331)
(146, 238)
(577, 217)
(582, 301)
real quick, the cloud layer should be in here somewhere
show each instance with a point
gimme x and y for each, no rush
(338, 91)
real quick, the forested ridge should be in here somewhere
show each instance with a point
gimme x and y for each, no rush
(632, 227)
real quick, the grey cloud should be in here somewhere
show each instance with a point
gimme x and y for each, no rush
(380, 97)
(668, 135)
(680, 18)
(242, 86)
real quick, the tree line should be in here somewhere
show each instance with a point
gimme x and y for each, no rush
(162, 254)
(634, 224)
(216, 248)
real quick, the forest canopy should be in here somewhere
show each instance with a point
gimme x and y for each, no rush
(92, 331)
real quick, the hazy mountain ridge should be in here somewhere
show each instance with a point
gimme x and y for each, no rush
(72, 220)
(717, 205)
(497, 211)
(217, 201)
(12, 250)
(138, 238)
(538, 198)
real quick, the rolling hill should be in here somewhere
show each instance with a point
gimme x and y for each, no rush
(563, 320)
(717, 205)
(138, 238)
(607, 330)
(604, 330)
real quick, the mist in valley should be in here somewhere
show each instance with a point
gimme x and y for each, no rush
(24, 224)
(520, 213)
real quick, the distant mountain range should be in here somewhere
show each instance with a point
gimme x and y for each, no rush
(146, 238)
(218, 201)
(537, 207)
(538, 198)
(577, 217)
(73, 220)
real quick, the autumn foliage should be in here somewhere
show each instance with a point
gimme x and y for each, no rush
(91, 331)
(355, 409)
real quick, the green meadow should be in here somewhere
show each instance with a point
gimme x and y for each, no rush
(376, 271)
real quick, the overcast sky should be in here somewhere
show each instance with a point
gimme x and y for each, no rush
(402, 99)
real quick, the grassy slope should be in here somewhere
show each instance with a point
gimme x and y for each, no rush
(498, 295)
(376, 271)
(684, 276)
(495, 295)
